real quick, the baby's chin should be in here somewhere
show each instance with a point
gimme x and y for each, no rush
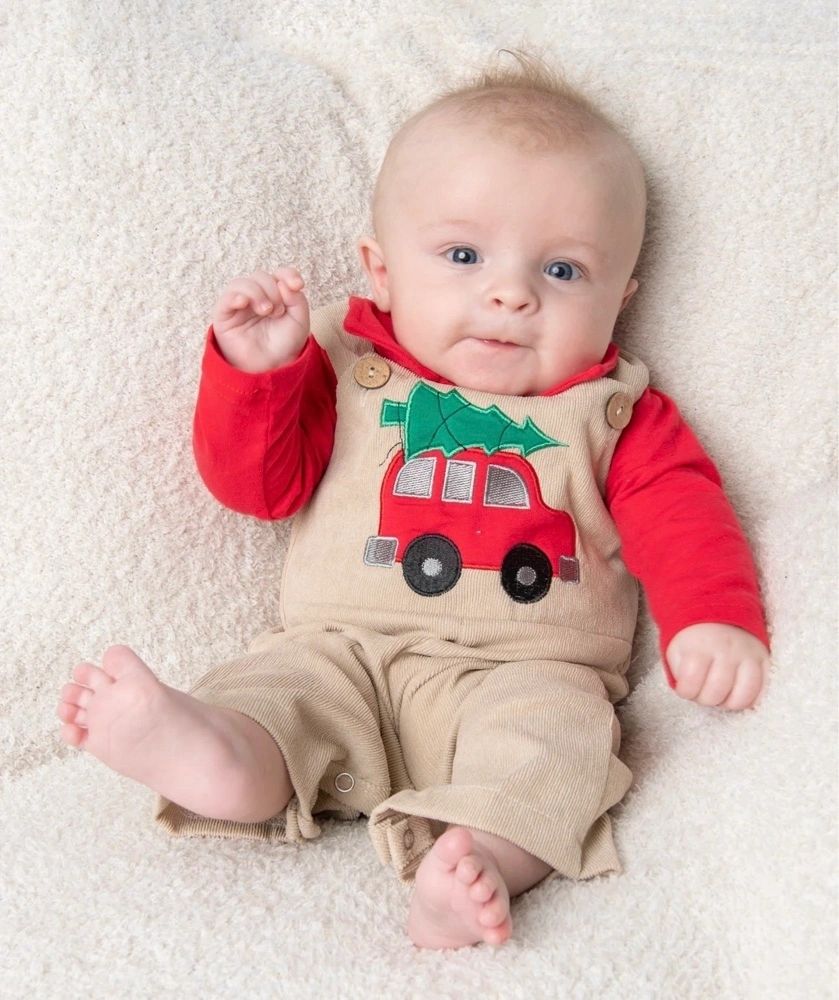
(501, 382)
(503, 371)
(512, 372)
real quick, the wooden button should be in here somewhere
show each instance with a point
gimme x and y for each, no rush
(371, 372)
(619, 411)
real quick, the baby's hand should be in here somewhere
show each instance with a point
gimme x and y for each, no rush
(261, 321)
(718, 665)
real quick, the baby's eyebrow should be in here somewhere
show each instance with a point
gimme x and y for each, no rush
(592, 249)
(450, 222)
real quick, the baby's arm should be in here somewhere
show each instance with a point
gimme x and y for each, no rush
(682, 540)
(265, 413)
(716, 664)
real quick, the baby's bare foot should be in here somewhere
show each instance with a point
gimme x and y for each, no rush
(208, 759)
(460, 897)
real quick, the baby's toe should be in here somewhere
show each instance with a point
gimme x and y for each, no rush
(483, 888)
(70, 713)
(494, 912)
(468, 869)
(499, 934)
(73, 735)
(450, 847)
(75, 694)
(91, 676)
(122, 661)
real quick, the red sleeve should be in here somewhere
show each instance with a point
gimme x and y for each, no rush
(262, 441)
(679, 533)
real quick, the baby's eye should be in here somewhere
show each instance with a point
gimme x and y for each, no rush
(563, 269)
(460, 253)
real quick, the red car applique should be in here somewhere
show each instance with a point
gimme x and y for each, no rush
(464, 499)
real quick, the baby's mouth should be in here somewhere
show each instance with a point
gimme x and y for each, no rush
(493, 344)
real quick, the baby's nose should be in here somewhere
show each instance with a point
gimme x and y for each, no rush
(515, 299)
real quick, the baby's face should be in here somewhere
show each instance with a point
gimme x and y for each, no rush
(503, 271)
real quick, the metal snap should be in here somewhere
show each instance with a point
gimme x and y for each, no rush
(344, 782)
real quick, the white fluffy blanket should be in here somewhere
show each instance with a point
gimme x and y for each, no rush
(151, 151)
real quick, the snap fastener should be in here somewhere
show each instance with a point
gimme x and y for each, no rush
(344, 782)
(619, 411)
(371, 372)
(408, 838)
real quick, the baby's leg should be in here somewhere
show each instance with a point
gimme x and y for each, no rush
(211, 760)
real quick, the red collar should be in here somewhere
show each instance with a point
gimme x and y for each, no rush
(365, 319)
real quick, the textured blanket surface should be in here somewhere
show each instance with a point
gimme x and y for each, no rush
(150, 152)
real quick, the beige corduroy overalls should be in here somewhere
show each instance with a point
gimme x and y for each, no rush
(456, 621)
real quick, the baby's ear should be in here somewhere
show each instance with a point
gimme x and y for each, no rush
(373, 262)
(631, 289)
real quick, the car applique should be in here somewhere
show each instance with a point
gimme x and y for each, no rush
(456, 496)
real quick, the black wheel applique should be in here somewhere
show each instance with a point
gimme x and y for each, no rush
(526, 574)
(431, 565)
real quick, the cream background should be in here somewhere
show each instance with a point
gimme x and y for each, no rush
(151, 151)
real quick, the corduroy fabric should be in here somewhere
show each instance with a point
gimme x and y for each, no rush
(465, 707)
(325, 577)
(430, 734)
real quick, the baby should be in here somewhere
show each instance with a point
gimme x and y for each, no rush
(482, 476)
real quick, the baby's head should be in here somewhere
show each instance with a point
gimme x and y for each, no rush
(508, 218)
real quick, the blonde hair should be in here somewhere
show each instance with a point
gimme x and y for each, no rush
(533, 99)
(531, 104)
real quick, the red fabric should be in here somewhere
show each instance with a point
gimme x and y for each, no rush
(680, 536)
(248, 430)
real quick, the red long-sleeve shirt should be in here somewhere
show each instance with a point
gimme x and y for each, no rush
(680, 536)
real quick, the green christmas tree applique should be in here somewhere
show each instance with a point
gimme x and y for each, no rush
(445, 420)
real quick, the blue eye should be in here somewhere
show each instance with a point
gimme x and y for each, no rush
(459, 251)
(564, 270)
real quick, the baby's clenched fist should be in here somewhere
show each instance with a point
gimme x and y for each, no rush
(261, 320)
(720, 665)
